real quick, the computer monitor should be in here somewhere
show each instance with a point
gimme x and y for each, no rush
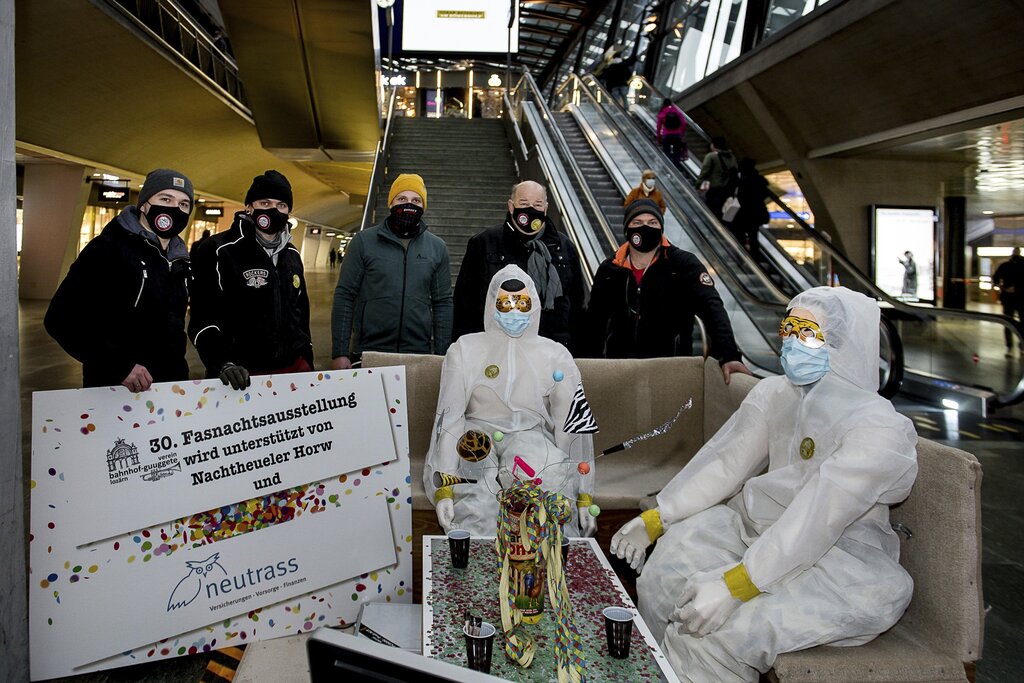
(332, 654)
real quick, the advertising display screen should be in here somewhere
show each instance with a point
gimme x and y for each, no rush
(464, 26)
(903, 246)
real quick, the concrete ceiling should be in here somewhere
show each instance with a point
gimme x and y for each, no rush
(91, 89)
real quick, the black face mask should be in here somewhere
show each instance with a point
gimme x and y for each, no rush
(644, 238)
(527, 221)
(166, 221)
(269, 221)
(404, 220)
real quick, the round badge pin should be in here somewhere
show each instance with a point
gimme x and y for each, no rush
(163, 222)
(296, 282)
(491, 371)
(807, 448)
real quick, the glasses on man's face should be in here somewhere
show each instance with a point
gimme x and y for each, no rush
(509, 302)
(651, 223)
(806, 331)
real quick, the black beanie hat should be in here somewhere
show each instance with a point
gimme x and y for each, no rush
(165, 179)
(270, 185)
(640, 206)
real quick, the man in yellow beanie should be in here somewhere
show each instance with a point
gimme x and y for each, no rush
(394, 291)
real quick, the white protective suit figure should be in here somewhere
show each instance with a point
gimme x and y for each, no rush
(508, 379)
(801, 554)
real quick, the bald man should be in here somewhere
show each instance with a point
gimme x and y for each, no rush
(527, 238)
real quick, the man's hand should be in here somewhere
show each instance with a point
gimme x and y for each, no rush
(705, 604)
(341, 363)
(630, 543)
(445, 510)
(138, 379)
(588, 523)
(734, 366)
(235, 375)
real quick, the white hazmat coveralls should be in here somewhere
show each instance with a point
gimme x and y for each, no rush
(492, 382)
(813, 531)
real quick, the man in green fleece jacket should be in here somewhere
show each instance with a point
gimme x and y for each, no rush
(395, 288)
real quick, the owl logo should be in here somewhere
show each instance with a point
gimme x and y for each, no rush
(188, 588)
(474, 446)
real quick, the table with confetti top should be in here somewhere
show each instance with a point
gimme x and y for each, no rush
(448, 593)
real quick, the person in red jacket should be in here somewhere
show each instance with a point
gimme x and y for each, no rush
(671, 131)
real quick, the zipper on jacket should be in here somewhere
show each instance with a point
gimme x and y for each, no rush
(401, 310)
(142, 285)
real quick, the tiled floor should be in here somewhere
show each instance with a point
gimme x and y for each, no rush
(997, 442)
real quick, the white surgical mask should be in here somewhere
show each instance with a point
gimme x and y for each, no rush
(649, 184)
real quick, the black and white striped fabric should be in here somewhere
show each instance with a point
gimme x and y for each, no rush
(580, 419)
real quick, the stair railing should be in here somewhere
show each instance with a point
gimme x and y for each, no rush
(380, 166)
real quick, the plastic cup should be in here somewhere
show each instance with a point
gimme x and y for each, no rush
(618, 626)
(458, 543)
(479, 647)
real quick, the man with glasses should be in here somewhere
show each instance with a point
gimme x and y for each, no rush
(528, 239)
(250, 308)
(644, 299)
(121, 308)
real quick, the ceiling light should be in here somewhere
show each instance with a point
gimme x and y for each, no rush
(988, 213)
(950, 403)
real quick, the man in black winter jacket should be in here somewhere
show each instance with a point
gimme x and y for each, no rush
(644, 299)
(121, 309)
(250, 308)
(529, 240)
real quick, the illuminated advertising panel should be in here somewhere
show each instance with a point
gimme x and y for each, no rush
(903, 251)
(462, 26)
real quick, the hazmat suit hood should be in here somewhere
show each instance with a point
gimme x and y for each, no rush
(849, 321)
(512, 272)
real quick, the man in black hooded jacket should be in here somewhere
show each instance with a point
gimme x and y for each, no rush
(529, 240)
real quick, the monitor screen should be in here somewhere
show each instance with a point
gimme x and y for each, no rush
(333, 654)
(464, 26)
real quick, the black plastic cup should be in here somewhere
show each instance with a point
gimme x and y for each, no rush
(565, 551)
(618, 626)
(458, 543)
(478, 648)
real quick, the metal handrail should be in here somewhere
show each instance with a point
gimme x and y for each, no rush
(380, 164)
(226, 80)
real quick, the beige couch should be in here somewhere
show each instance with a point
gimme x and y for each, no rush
(942, 628)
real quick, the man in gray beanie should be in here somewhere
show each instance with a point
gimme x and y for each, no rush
(250, 308)
(621, 323)
(121, 309)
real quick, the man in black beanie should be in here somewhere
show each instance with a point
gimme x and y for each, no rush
(121, 309)
(250, 308)
(644, 299)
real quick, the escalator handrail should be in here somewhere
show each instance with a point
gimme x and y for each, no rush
(563, 145)
(380, 165)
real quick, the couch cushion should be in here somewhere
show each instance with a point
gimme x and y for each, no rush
(894, 656)
(720, 399)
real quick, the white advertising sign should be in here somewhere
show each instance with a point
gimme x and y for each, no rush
(157, 464)
(464, 26)
(298, 557)
(904, 252)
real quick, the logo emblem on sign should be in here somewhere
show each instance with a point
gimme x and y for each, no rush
(188, 588)
(163, 222)
(807, 448)
(122, 460)
(256, 277)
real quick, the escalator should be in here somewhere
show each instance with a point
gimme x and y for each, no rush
(940, 346)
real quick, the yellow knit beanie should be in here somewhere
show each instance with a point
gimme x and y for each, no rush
(408, 181)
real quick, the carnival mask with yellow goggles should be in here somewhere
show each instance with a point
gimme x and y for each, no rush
(513, 308)
(804, 355)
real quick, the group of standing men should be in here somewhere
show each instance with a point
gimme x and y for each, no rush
(250, 306)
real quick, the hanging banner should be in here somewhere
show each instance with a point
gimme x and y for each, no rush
(285, 561)
(166, 453)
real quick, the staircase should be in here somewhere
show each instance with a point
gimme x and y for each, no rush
(468, 169)
(598, 180)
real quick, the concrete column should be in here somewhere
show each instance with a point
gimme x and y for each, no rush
(13, 594)
(53, 206)
(954, 258)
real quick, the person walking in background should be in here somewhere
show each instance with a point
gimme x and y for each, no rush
(717, 178)
(333, 258)
(909, 275)
(121, 309)
(395, 286)
(671, 132)
(645, 298)
(528, 239)
(646, 190)
(751, 192)
(250, 308)
(1009, 277)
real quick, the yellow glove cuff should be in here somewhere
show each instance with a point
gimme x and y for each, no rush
(652, 520)
(739, 583)
(443, 492)
(584, 500)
